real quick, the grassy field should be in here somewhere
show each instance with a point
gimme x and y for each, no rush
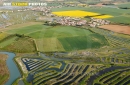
(121, 19)
(3, 35)
(21, 25)
(22, 45)
(55, 38)
(69, 38)
(124, 5)
(4, 74)
(43, 31)
(27, 29)
(7, 42)
(59, 31)
(49, 44)
(83, 42)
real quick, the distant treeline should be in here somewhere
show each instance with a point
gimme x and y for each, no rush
(108, 4)
(124, 7)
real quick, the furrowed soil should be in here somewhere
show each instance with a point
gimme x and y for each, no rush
(117, 28)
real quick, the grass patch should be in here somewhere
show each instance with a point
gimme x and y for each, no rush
(7, 42)
(83, 42)
(27, 29)
(22, 45)
(49, 45)
(124, 5)
(59, 31)
(3, 35)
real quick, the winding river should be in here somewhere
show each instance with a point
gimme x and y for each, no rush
(13, 70)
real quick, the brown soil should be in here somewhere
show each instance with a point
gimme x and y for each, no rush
(4, 73)
(117, 28)
(3, 67)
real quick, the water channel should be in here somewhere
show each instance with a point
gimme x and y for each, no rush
(13, 70)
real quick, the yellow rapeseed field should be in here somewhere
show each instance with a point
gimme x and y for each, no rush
(103, 16)
(75, 13)
(79, 13)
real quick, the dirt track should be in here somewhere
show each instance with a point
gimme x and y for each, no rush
(117, 28)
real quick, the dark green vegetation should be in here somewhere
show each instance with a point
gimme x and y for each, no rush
(83, 42)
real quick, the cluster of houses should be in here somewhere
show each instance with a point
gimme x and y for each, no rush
(71, 21)
(46, 10)
(94, 22)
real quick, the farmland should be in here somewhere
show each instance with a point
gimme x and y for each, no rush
(44, 31)
(53, 38)
(67, 45)
(127, 5)
(92, 41)
(49, 44)
(75, 13)
(26, 45)
(113, 14)
(117, 28)
(78, 13)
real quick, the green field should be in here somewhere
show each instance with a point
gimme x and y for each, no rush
(41, 31)
(27, 29)
(7, 42)
(22, 45)
(59, 31)
(49, 44)
(124, 5)
(121, 19)
(83, 42)
(55, 38)
(3, 35)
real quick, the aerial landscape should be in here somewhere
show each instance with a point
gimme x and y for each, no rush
(65, 42)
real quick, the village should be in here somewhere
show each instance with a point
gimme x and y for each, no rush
(48, 16)
(66, 20)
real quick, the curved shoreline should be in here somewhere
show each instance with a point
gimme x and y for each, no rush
(14, 72)
(8, 72)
